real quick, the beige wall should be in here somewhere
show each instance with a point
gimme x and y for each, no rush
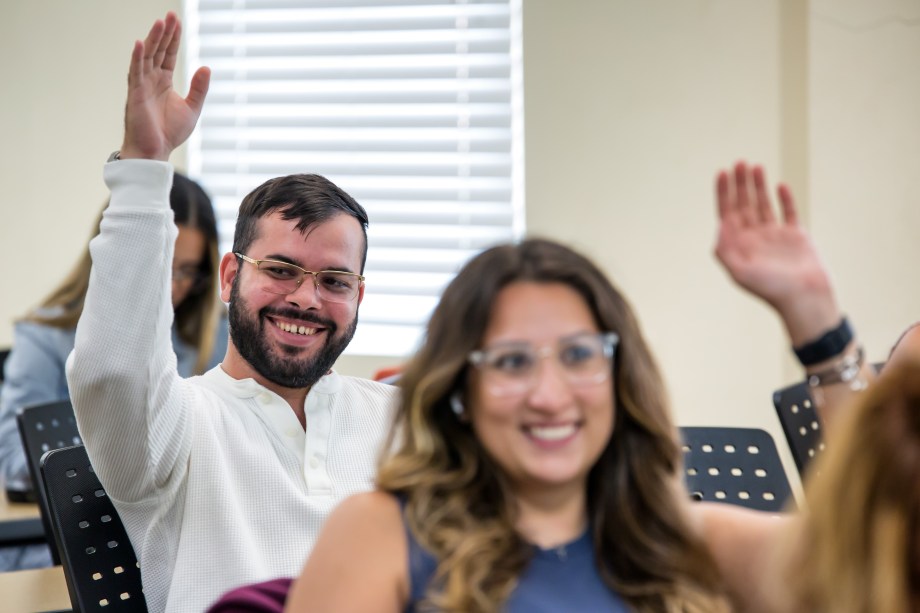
(63, 69)
(631, 107)
(865, 158)
(634, 106)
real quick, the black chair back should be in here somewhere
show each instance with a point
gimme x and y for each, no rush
(800, 422)
(43, 428)
(738, 466)
(4, 354)
(100, 567)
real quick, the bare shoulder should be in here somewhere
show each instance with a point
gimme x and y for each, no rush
(368, 519)
(359, 563)
(731, 530)
(714, 516)
(374, 510)
(747, 548)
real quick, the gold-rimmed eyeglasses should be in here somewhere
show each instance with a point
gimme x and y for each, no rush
(510, 369)
(284, 278)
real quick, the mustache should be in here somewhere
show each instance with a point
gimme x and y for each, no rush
(299, 315)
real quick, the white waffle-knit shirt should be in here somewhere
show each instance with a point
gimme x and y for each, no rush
(214, 478)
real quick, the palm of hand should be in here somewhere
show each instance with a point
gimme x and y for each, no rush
(772, 261)
(158, 118)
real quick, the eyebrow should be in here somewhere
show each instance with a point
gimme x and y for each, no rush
(283, 258)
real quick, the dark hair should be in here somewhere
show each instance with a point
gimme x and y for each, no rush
(309, 199)
(646, 550)
(197, 315)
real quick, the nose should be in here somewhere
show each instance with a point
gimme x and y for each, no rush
(306, 296)
(551, 390)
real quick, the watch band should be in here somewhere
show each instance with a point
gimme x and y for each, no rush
(116, 155)
(830, 344)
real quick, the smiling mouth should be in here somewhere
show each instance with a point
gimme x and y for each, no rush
(295, 329)
(551, 433)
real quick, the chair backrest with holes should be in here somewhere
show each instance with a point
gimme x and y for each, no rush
(42, 428)
(801, 424)
(99, 563)
(735, 465)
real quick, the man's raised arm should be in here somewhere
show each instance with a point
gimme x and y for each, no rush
(131, 405)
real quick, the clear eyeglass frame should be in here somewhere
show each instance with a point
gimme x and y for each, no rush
(284, 278)
(189, 275)
(511, 369)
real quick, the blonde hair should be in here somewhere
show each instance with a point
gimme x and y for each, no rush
(458, 504)
(196, 317)
(857, 548)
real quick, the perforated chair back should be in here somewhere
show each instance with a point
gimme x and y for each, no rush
(99, 563)
(45, 427)
(738, 466)
(801, 424)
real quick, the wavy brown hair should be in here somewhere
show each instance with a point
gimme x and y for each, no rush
(458, 503)
(857, 549)
(196, 317)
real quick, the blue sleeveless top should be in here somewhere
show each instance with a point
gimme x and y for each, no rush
(556, 580)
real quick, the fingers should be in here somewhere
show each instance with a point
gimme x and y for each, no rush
(161, 47)
(743, 198)
(198, 89)
(152, 43)
(168, 49)
(763, 208)
(137, 60)
(787, 204)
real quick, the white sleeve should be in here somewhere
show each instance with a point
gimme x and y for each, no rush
(130, 403)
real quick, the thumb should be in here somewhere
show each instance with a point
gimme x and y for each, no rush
(198, 89)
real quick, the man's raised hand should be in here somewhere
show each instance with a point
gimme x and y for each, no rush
(157, 118)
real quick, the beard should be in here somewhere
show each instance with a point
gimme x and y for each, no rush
(247, 335)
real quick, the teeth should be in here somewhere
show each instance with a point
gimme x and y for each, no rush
(295, 329)
(552, 433)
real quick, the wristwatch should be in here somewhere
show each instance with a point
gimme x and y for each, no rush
(116, 155)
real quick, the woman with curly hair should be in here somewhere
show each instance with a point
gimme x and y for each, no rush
(533, 465)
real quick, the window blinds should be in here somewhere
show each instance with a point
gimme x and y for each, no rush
(413, 107)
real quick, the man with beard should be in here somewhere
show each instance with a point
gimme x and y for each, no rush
(223, 479)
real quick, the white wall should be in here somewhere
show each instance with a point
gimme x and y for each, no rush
(631, 107)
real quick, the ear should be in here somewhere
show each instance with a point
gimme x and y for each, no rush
(361, 292)
(229, 267)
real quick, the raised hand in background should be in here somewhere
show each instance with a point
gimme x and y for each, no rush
(773, 259)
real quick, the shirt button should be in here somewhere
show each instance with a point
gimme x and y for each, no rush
(314, 463)
(292, 432)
